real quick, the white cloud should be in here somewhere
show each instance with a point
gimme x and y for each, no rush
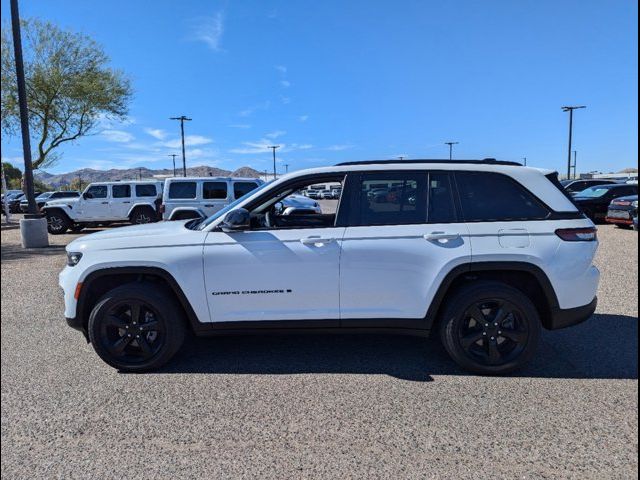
(156, 133)
(303, 118)
(285, 100)
(260, 146)
(276, 134)
(118, 136)
(300, 146)
(285, 83)
(240, 125)
(282, 69)
(338, 148)
(249, 111)
(209, 30)
(189, 141)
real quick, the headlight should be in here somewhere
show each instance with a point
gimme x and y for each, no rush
(73, 258)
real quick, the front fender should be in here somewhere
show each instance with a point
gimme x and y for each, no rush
(64, 208)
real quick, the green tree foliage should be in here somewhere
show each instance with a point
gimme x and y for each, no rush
(70, 87)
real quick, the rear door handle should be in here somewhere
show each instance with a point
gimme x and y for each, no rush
(441, 236)
(126, 202)
(209, 205)
(316, 240)
(105, 203)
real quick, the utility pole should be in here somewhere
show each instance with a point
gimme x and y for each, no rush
(570, 110)
(400, 158)
(24, 112)
(182, 119)
(525, 161)
(173, 155)
(451, 144)
(286, 168)
(273, 148)
(139, 173)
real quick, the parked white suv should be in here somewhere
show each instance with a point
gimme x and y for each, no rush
(192, 197)
(485, 253)
(103, 203)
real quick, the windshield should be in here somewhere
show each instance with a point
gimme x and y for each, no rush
(594, 192)
(205, 223)
(44, 195)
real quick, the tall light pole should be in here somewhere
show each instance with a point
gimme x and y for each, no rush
(173, 156)
(273, 148)
(525, 161)
(570, 110)
(451, 144)
(286, 168)
(24, 112)
(575, 163)
(182, 119)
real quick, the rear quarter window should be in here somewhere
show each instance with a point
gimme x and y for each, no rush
(179, 190)
(242, 188)
(489, 197)
(146, 191)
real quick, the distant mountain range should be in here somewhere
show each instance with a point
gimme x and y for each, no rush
(89, 175)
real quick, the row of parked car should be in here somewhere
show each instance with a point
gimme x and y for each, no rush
(606, 200)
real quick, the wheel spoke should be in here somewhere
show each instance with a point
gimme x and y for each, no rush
(151, 326)
(471, 338)
(136, 310)
(514, 335)
(144, 345)
(502, 313)
(113, 321)
(120, 344)
(475, 313)
(494, 353)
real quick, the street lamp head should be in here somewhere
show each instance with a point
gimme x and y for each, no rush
(274, 146)
(567, 108)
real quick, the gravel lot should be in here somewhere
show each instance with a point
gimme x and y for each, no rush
(315, 407)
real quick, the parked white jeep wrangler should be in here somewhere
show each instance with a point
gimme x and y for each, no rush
(103, 203)
(485, 253)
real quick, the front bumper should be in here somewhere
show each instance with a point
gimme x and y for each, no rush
(563, 318)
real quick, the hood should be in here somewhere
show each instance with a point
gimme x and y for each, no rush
(62, 201)
(135, 236)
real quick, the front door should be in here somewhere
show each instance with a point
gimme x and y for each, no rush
(215, 196)
(94, 204)
(284, 268)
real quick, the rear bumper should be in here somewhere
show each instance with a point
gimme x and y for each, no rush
(562, 318)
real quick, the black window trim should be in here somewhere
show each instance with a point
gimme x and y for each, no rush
(453, 194)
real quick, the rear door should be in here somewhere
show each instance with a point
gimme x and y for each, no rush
(404, 236)
(120, 202)
(215, 196)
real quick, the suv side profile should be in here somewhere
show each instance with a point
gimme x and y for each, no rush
(103, 203)
(484, 253)
(187, 198)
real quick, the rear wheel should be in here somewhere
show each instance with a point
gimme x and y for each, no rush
(143, 215)
(57, 222)
(490, 328)
(136, 327)
(77, 227)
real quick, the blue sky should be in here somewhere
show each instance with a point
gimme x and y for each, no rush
(335, 80)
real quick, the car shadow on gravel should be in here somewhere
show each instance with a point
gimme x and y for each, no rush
(606, 347)
(11, 252)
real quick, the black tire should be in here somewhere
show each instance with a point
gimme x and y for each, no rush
(57, 222)
(142, 215)
(77, 227)
(138, 342)
(484, 346)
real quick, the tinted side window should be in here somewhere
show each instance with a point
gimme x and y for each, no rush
(182, 190)
(214, 190)
(392, 198)
(242, 188)
(121, 191)
(98, 191)
(440, 204)
(146, 191)
(69, 194)
(491, 196)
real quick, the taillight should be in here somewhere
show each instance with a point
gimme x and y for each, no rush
(578, 234)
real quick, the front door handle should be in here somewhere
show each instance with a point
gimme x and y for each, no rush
(316, 241)
(441, 236)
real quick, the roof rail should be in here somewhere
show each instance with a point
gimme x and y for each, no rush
(485, 161)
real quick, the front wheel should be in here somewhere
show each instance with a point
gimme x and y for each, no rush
(490, 328)
(57, 222)
(136, 327)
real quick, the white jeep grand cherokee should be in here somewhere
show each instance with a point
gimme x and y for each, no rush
(486, 253)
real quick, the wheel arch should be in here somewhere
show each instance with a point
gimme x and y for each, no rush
(59, 208)
(176, 211)
(526, 277)
(111, 277)
(139, 205)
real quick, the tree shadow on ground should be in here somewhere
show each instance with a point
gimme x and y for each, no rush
(606, 346)
(12, 252)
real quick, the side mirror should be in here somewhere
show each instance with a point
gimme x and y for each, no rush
(236, 220)
(87, 195)
(279, 207)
